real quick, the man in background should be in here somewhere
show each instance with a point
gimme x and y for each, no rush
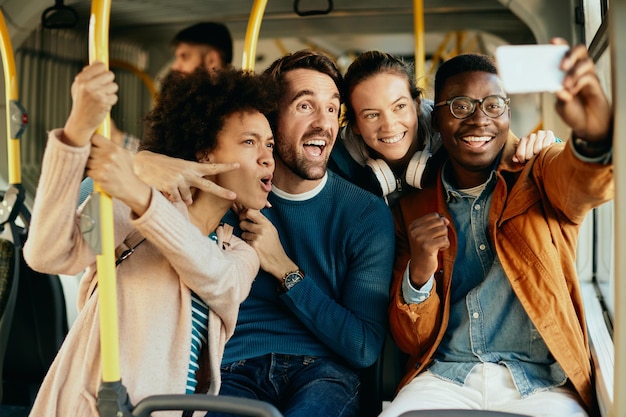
(204, 45)
(207, 45)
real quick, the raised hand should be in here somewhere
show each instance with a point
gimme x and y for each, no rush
(111, 166)
(582, 103)
(530, 145)
(261, 234)
(176, 178)
(427, 236)
(94, 92)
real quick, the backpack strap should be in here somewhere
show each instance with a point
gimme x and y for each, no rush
(133, 240)
(128, 246)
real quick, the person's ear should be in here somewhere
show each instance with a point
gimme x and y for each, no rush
(204, 157)
(212, 60)
(355, 129)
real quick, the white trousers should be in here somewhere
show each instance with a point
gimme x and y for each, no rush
(488, 387)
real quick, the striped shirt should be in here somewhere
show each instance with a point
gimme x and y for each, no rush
(199, 330)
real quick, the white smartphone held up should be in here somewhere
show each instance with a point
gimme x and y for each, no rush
(530, 68)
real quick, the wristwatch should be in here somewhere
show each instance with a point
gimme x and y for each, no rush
(292, 278)
(592, 148)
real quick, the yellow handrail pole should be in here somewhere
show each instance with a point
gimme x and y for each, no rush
(252, 34)
(109, 333)
(11, 93)
(420, 53)
(142, 75)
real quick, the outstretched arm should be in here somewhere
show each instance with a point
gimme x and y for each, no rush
(176, 178)
(55, 243)
(582, 104)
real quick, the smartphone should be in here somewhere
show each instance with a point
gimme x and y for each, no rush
(530, 68)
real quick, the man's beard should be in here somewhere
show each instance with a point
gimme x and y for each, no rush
(298, 164)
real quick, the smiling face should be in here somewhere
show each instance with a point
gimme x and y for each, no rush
(308, 121)
(246, 138)
(473, 143)
(386, 116)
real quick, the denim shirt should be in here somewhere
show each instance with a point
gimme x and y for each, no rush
(487, 321)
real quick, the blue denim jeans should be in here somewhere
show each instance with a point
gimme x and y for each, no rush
(298, 386)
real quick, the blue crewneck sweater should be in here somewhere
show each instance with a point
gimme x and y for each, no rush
(343, 240)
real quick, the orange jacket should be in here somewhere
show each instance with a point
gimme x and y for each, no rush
(535, 216)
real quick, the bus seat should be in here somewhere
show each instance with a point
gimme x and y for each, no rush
(380, 381)
(459, 413)
(11, 242)
(370, 392)
(216, 403)
(394, 369)
(37, 331)
(8, 291)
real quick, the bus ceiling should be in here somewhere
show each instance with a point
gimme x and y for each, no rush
(341, 18)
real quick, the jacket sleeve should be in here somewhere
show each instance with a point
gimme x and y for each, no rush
(222, 278)
(55, 243)
(572, 186)
(414, 327)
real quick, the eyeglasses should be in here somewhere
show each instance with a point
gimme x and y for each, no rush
(463, 107)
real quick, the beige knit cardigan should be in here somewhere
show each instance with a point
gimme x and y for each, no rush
(153, 290)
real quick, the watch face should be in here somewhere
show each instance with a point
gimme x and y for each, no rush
(292, 279)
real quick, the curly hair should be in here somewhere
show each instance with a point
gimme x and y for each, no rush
(191, 109)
